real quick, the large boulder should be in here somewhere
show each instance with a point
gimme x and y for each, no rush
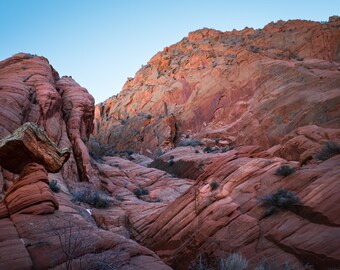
(30, 144)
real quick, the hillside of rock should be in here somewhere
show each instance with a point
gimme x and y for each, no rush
(239, 87)
(233, 112)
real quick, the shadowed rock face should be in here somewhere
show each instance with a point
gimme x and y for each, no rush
(29, 144)
(244, 87)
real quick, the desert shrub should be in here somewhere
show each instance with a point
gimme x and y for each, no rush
(54, 186)
(119, 198)
(265, 265)
(153, 200)
(96, 149)
(145, 115)
(214, 185)
(140, 192)
(269, 265)
(254, 49)
(215, 150)
(159, 152)
(282, 198)
(29, 56)
(197, 151)
(329, 150)
(200, 263)
(190, 143)
(128, 152)
(90, 196)
(284, 170)
(233, 262)
(207, 149)
(171, 162)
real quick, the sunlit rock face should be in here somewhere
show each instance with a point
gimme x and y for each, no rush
(244, 87)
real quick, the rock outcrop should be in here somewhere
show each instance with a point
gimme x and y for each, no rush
(249, 87)
(32, 91)
(40, 229)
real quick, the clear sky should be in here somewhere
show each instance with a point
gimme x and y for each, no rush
(102, 42)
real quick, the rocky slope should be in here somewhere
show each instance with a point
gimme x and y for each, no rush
(241, 87)
(241, 105)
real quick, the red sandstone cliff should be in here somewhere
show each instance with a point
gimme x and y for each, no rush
(242, 87)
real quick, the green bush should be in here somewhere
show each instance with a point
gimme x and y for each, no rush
(284, 170)
(54, 186)
(91, 196)
(329, 150)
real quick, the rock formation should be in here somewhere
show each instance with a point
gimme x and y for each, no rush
(40, 229)
(241, 107)
(243, 87)
(29, 152)
(225, 142)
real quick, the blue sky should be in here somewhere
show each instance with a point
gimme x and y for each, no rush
(101, 43)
